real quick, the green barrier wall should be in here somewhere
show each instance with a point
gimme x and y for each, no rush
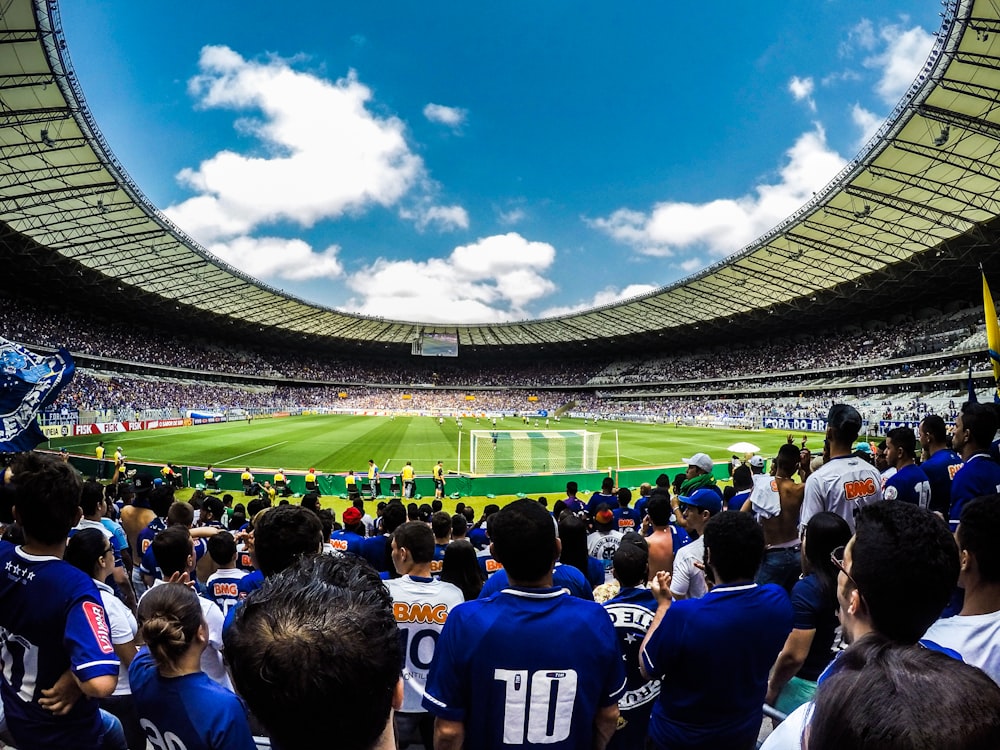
(529, 484)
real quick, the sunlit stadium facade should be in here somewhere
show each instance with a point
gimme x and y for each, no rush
(907, 222)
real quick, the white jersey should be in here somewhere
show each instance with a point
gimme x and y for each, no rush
(975, 637)
(842, 485)
(421, 607)
(688, 579)
(602, 545)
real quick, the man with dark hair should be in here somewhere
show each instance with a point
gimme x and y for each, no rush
(334, 615)
(441, 526)
(665, 539)
(573, 504)
(733, 497)
(896, 576)
(94, 507)
(376, 550)
(477, 535)
(626, 518)
(284, 534)
(776, 502)
(980, 475)
(459, 527)
(212, 512)
(367, 520)
(631, 612)
(420, 605)
(909, 483)
(502, 676)
(844, 483)
(222, 587)
(715, 652)
(939, 462)
(975, 632)
(606, 495)
(54, 634)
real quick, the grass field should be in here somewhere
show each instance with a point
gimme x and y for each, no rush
(336, 443)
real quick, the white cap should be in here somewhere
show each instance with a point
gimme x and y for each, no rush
(756, 461)
(702, 461)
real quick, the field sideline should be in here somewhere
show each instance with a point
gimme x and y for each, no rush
(336, 443)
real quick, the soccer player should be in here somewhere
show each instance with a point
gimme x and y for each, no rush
(940, 462)
(53, 628)
(845, 483)
(502, 674)
(421, 605)
(910, 483)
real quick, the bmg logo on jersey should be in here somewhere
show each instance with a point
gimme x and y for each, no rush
(222, 589)
(99, 625)
(859, 488)
(420, 613)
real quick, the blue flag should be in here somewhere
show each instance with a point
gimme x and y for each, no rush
(29, 382)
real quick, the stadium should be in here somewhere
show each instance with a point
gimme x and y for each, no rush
(871, 294)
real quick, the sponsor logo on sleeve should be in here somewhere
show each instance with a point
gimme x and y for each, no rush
(99, 626)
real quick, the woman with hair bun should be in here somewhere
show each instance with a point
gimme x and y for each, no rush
(172, 695)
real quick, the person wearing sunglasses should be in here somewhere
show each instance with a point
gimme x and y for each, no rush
(688, 576)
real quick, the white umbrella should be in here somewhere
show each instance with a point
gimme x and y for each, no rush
(743, 447)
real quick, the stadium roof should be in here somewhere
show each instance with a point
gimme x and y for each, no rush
(919, 207)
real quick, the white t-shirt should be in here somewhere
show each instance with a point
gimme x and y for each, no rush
(123, 629)
(975, 637)
(842, 485)
(602, 546)
(421, 607)
(788, 734)
(688, 580)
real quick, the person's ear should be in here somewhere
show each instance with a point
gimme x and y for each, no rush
(854, 602)
(558, 549)
(397, 695)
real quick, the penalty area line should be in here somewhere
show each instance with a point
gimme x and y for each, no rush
(259, 450)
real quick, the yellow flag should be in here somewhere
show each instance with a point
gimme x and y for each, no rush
(992, 336)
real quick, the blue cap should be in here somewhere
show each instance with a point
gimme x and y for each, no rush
(705, 499)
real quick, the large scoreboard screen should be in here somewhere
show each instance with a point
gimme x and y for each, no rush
(435, 345)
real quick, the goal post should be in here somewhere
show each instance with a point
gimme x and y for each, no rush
(532, 451)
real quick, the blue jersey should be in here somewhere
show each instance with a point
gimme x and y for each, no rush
(199, 714)
(347, 541)
(120, 540)
(223, 588)
(438, 562)
(627, 519)
(148, 566)
(51, 620)
(376, 550)
(940, 470)
(597, 498)
(477, 537)
(487, 563)
(910, 485)
(631, 614)
(979, 476)
(565, 576)
(717, 651)
(145, 537)
(502, 668)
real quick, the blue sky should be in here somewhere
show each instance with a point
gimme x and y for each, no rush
(485, 162)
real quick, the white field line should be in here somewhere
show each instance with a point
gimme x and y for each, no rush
(259, 450)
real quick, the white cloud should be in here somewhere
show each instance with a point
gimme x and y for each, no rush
(271, 258)
(802, 89)
(691, 265)
(723, 226)
(444, 218)
(319, 152)
(453, 117)
(861, 37)
(607, 296)
(491, 280)
(512, 216)
(906, 50)
(867, 122)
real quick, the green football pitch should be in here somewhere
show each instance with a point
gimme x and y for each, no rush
(336, 443)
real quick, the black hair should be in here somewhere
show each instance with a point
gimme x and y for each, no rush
(934, 426)
(47, 496)
(91, 495)
(334, 614)
(214, 506)
(412, 512)
(326, 522)
(222, 548)
(624, 497)
(572, 488)
(160, 499)
(981, 422)
(459, 526)
(788, 457)
(460, 567)
(310, 500)
(883, 696)
(441, 524)
(904, 439)
(658, 509)
(85, 548)
(742, 478)
(169, 617)
(256, 505)
(393, 515)
(573, 535)
(978, 532)
(171, 550)
(418, 538)
(904, 562)
(558, 507)
(631, 564)
(524, 540)
(823, 534)
(436, 505)
(284, 534)
(734, 544)
(607, 484)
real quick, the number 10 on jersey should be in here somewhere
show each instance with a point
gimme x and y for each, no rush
(538, 705)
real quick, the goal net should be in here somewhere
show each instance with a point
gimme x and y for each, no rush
(532, 451)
